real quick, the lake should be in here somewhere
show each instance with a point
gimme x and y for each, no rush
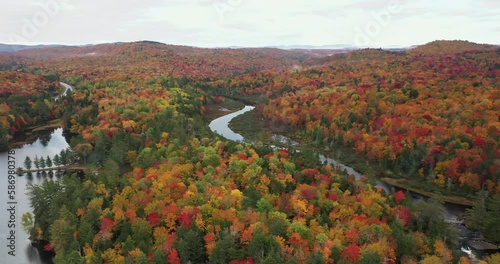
(50, 144)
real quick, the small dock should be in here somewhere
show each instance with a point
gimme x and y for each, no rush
(68, 168)
(482, 245)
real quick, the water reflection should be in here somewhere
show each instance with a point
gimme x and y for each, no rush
(45, 139)
(50, 144)
(29, 176)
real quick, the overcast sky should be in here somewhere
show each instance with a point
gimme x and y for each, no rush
(250, 23)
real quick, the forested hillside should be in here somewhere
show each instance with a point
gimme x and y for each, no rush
(421, 113)
(162, 188)
(123, 60)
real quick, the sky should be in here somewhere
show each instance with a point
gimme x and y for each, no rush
(250, 23)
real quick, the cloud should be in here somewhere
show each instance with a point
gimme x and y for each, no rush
(211, 23)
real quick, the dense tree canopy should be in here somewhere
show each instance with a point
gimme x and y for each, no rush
(167, 190)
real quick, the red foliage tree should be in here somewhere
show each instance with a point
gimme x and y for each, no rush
(173, 257)
(351, 253)
(399, 196)
(246, 261)
(154, 219)
(107, 224)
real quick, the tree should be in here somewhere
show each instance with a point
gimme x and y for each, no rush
(261, 246)
(226, 249)
(71, 155)
(485, 214)
(428, 218)
(62, 230)
(42, 163)
(431, 260)
(495, 258)
(141, 233)
(27, 163)
(146, 158)
(119, 148)
(83, 150)
(190, 245)
(399, 196)
(36, 162)
(48, 162)
(263, 205)
(351, 253)
(142, 258)
(64, 157)
(28, 224)
(316, 258)
(57, 160)
(4, 143)
(369, 257)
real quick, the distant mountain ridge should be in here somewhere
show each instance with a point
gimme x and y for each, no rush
(437, 45)
(345, 47)
(450, 47)
(180, 60)
(15, 47)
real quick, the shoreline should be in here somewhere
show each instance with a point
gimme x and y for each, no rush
(32, 132)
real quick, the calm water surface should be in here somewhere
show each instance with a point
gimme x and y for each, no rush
(50, 144)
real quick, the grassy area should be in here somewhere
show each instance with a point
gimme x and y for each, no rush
(408, 185)
(253, 127)
(32, 133)
(223, 108)
(419, 185)
(53, 124)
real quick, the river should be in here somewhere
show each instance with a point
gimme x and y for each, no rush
(67, 88)
(221, 126)
(24, 252)
(48, 144)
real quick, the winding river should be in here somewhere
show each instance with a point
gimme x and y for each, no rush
(221, 127)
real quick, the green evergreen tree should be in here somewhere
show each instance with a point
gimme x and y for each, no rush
(159, 257)
(57, 160)
(261, 246)
(42, 163)
(142, 258)
(48, 162)
(27, 163)
(128, 245)
(64, 157)
(141, 233)
(369, 257)
(226, 249)
(316, 258)
(4, 143)
(36, 162)
(190, 245)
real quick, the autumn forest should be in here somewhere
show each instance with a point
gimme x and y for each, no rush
(161, 187)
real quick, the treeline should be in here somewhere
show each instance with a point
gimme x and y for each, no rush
(65, 157)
